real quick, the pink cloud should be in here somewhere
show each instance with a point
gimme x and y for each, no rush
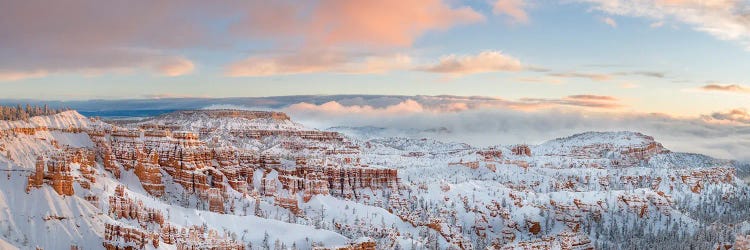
(454, 104)
(19, 75)
(512, 8)
(487, 61)
(80, 36)
(333, 107)
(177, 67)
(312, 62)
(383, 23)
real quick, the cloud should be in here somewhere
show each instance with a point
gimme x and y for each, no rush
(492, 121)
(581, 101)
(88, 37)
(384, 22)
(657, 24)
(654, 74)
(609, 21)
(628, 85)
(478, 120)
(333, 34)
(323, 61)
(333, 107)
(486, 61)
(550, 80)
(170, 96)
(591, 76)
(177, 67)
(515, 9)
(723, 19)
(19, 75)
(325, 23)
(94, 38)
(450, 104)
(312, 62)
(733, 116)
(732, 88)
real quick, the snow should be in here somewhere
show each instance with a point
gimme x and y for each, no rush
(436, 184)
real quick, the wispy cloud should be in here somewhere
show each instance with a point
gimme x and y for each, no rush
(7, 75)
(599, 77)
(515, 9)
(177, 67)
(723, 19)
(588, 101)
(312, 62)
(657, 24)
(486, 61)
(609, 21)
(730, 88)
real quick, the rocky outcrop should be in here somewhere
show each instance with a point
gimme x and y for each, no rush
(123, 237)
(121, 206)
(522, 150)
(56, 170)
(149, 172)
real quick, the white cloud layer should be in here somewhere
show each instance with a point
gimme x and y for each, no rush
(486, 121)
(723, 19)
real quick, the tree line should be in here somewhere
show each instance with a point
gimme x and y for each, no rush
(19, 112)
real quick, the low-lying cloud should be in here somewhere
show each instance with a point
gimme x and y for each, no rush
(484, 121)
(492, 126)
(732, 116)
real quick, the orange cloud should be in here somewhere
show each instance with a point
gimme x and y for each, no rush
(512, 8)
(592, 98)
(310, 62)
(384, 22)
(91, 36)
(372, 23)
(487, 61)
(330, 32)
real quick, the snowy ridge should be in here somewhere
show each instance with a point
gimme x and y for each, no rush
(226, 120)
(618, 140)
(62, 120)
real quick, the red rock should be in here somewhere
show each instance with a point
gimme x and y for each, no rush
(521, 150)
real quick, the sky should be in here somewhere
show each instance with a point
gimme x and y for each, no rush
(677, 57)
(488, 71)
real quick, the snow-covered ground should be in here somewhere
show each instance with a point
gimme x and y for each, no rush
(588, 188)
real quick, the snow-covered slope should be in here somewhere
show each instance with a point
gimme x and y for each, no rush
(225, 120)
(259, 180)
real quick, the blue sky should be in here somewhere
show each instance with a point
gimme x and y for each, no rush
(680, 57)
